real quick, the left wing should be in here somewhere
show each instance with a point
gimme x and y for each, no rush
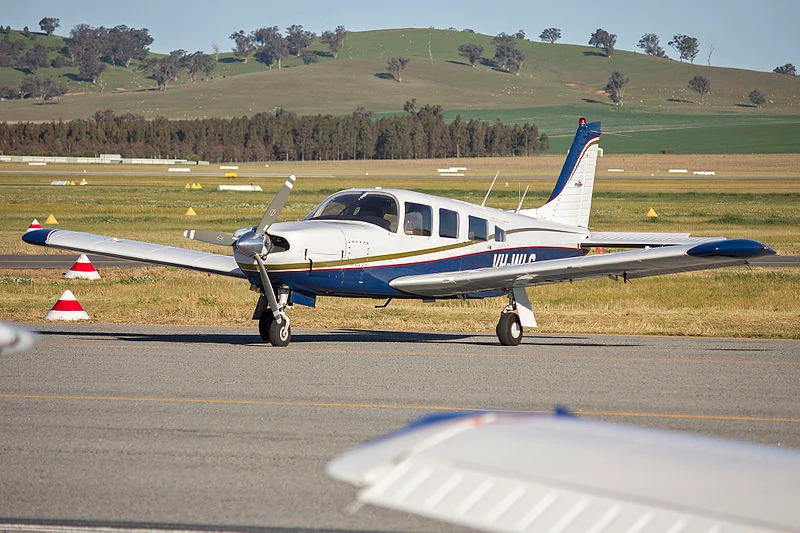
(528, 472)
(140, 251)
(625, 265)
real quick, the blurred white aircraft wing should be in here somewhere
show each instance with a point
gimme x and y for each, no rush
(505, 472)
(619, 265)
(136, 250)
(14, 338)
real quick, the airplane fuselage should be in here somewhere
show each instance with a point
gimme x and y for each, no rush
(342, 248)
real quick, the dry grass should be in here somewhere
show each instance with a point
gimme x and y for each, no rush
(733, 303)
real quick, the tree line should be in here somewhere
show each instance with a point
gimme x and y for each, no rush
(420, 132)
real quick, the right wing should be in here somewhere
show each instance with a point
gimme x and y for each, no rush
(517, 472)
(224, 265)
(619, 265)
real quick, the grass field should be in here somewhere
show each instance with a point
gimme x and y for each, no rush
(151, 205)
(557, 84)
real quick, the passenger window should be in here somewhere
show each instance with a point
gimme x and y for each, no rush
(477, 229)
(499, 234)
(448, 224)
(418, 220)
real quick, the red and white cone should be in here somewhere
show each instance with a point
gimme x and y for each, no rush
(34, 225)
(82, 269)
(67, 308)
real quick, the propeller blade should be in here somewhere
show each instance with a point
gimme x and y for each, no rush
(211, 237)
(275, 206)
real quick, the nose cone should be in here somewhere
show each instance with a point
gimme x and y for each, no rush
(252, 244)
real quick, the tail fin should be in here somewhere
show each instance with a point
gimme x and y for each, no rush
(571, 199)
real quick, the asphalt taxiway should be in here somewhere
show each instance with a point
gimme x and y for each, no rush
(203, 428)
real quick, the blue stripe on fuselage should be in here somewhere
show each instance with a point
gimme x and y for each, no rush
(373, 281)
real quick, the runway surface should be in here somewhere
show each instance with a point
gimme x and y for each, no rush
(201, 428)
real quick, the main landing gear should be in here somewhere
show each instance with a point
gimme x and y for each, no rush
(516, 314)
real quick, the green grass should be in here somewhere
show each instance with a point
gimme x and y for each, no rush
(557, 84)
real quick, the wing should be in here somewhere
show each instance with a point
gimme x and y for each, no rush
(503, 472)
(140, 251)
(625, 265)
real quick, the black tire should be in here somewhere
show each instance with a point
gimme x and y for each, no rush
(264, 323)
(509, 329)
(280, 332)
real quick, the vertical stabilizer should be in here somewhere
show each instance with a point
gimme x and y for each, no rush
(571, 199)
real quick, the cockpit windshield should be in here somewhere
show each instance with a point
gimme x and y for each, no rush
(373, 207)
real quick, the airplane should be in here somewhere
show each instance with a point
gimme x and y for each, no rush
(391, 243)
(505, 471)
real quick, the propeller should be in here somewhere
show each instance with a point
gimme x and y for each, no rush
(256, 244)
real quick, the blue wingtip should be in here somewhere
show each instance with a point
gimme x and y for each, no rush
(37, 236)
(742, 248)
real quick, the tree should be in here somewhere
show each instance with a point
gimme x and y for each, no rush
(166, 69)
(334, 39)
(215, 50)
(615, 88)
(30, 86)
(702, 85)
(687, 47)
(36, 57)
(124, 44)
(196, 63)
(308, 56)
(298, 39)
(243, 45)
(90, 68)
(472, 52)
(272, 47)
(602, 39)
(506, 55)
(757, 98)
(520, 35)
(787, 69)
(551, 35)
(650, 44)
(396, 66)
(49, 25)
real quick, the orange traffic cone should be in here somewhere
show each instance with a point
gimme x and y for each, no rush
(67, 308)
(82, 269)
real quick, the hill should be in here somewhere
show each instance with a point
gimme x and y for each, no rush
(557, 83)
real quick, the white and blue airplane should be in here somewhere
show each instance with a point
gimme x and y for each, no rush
(391, 243)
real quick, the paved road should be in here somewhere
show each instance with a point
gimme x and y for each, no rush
(195, 427)
(63, 262)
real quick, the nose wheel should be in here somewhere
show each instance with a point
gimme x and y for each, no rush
(277, 331)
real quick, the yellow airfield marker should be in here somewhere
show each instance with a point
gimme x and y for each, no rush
(652, 213)
(188, 186)
(190, 212)
(51, 220)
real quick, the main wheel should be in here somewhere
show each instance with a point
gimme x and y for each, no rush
(280, 332)
(509, 329)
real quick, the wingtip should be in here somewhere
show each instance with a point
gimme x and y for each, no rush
(741, 248)
(37, 237)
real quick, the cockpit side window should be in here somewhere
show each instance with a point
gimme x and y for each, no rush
(418, 219)
(375, 208)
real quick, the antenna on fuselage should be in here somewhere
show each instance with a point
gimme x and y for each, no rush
(490, 189)
(522, 199)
